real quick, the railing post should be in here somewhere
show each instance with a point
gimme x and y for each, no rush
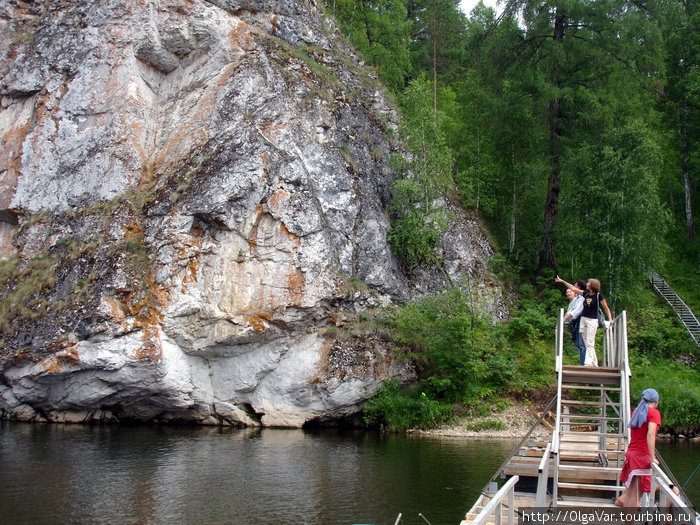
(511, 507)
(494, 506)
(542, 478)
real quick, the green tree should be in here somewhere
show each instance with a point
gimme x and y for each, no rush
(624, 221)
(681, 23)
(424, 174)
(437, 36)
(579, 50)
(380, 31)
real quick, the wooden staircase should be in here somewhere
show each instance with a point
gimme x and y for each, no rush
(684, 313)
(580, 464)
(591, 433)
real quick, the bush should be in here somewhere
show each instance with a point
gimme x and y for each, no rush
(679, 392)
(489, 424)
(461, 355)
(655, 332)
(396, 410)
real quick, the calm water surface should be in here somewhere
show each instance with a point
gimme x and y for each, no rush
(183, 475)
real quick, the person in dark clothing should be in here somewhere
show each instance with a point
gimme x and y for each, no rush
(592, 300)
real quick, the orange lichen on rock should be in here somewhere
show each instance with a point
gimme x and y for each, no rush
(115, 309)
(272, 130)
(11, 153)
(150, 322)
(66, 356)
(133, 232)
(258, 321)
(190, 274)
(277, 200)
(190, 250)
(242, 37)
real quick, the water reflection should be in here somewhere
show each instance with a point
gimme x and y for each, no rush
(183, 475)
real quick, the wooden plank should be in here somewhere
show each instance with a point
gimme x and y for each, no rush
(602, 369)
(588, 486)
(596, 387)
(579, 402)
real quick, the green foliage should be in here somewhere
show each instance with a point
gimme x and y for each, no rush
(379, 31)
(489, 424)
(463, 356)
(24, 290)
(679, 393)
(395, 409)
(682, 271)
(624, 219)
(654, 332)
(418, 214)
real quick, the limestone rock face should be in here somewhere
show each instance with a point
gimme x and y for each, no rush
(191, 191)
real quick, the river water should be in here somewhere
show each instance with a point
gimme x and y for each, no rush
(192, 475)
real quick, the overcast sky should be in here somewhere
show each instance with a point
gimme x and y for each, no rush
(468, 5)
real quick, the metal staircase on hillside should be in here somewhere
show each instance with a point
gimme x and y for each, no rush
(684, 313)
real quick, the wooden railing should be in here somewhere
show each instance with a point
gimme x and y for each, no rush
(495, 506)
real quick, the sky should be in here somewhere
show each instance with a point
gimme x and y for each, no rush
(468, 5)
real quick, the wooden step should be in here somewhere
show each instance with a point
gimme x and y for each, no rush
(587, 437)
(605, 388)
(590, 378)
(580, 402)
(588, 473)
(582, 501)
(590, 486)
(597, 417)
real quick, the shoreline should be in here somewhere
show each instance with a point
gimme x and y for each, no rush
(518, 420)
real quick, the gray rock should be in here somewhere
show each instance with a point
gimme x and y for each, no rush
(190, 197)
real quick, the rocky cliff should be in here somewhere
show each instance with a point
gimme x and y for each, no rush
(191, 191)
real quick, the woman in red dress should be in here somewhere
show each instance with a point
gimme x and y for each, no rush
(641, 451)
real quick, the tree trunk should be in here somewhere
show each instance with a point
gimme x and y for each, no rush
(435, 65)
(547, 255)
(511, 245)
(689, 226)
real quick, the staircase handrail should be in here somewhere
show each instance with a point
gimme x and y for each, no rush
(522, 441)
(616, 354)
(494, 506)
(661, 286)
(559, 344)
(661, 479)
(542, 478)
(559, 366)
